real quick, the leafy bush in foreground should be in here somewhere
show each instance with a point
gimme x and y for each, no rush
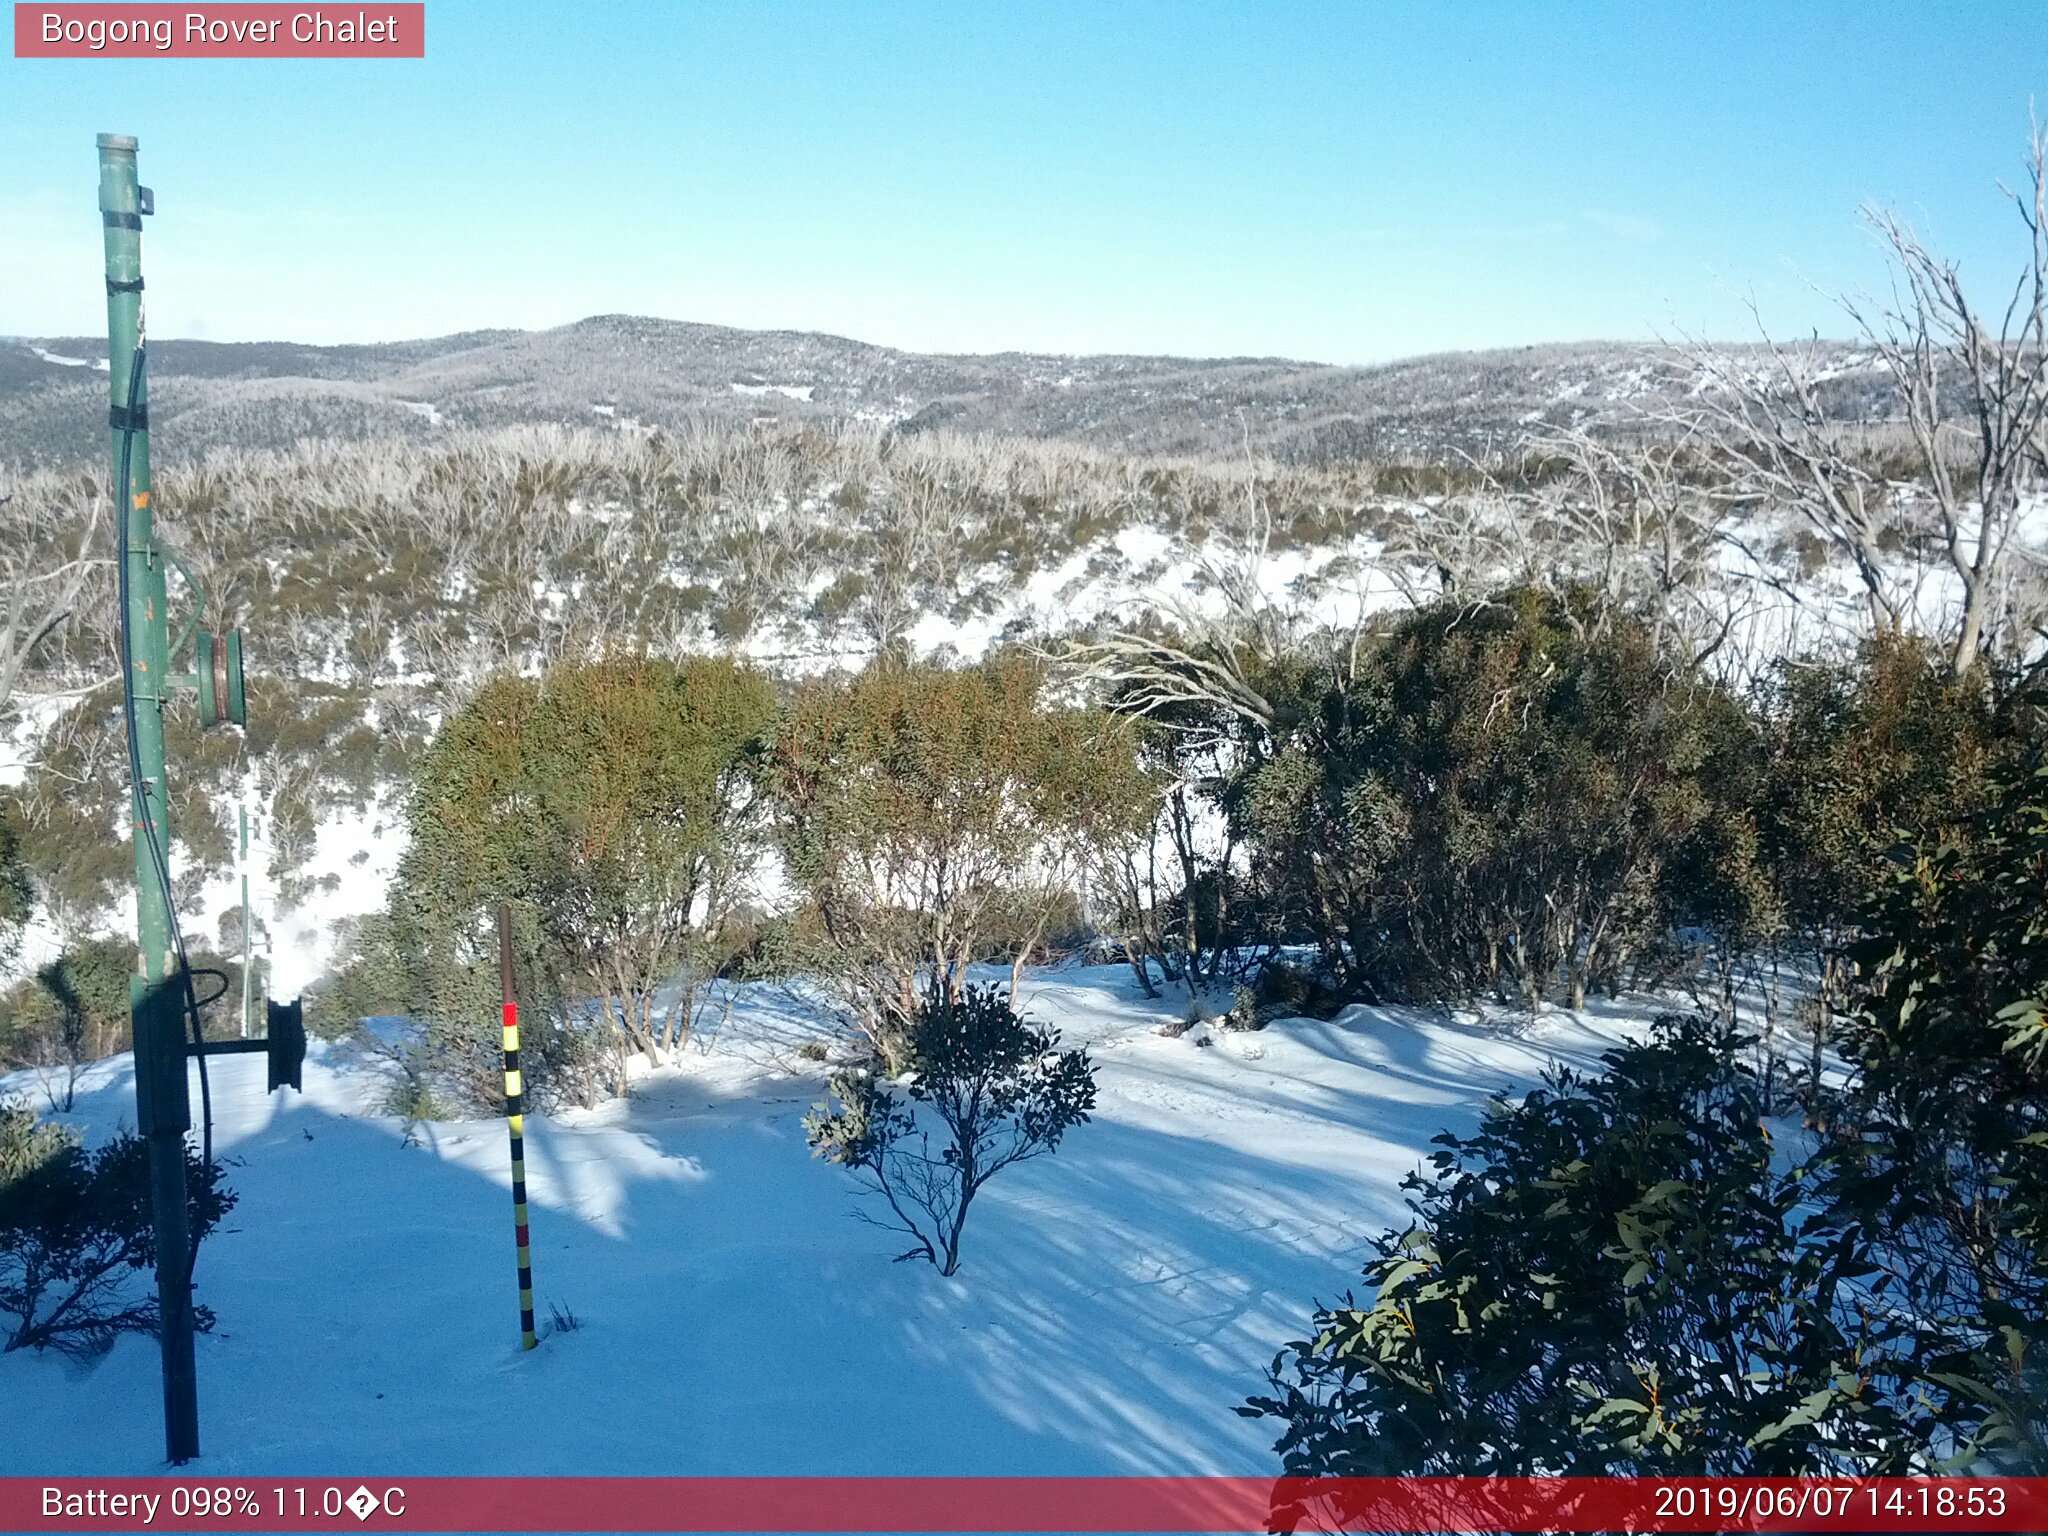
(76, 1239)
(1944, 1151)
(1613, 1277)
(1001, 1091)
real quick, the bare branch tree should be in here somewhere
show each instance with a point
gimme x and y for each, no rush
(34, 605)
(1209, 656)
(1789, 450)
(1973, 405)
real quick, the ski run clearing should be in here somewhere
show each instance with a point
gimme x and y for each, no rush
(734, 1316)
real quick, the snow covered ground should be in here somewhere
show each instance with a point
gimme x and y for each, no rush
(1113, 1303)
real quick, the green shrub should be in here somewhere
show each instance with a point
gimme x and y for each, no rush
(932, 817)
(27, 1142)
(366, 980)
(68, 814)
(616, 805)
(1493, 801)
(1288, 989)
(1863, 755)
(1244, 1014)
(71, 1012)
(17, 894)
(412, 1097)
(1947, 1161)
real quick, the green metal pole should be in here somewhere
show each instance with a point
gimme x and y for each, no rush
(245, 918)
(163, 1111)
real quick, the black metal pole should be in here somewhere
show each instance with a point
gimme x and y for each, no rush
(163, 1114)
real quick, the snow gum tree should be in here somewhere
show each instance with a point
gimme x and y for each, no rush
(618, 804)
(934, 817)
(1967, 419)
(1490, 801)
(17, 895)
(1000, 1091)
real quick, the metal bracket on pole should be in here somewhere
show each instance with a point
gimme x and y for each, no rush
(283, 1041)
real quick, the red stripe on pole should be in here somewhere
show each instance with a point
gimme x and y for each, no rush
(1091, 1504)
(511, 1012)
(378, 29)
(520, 1230)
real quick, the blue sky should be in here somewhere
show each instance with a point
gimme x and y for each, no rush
(1347, 181)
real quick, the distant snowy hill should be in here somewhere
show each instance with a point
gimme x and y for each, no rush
(626, 370)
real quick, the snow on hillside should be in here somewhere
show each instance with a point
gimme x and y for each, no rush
(793, 391)
(353, 860)
(1114, 1301)
(69, 362)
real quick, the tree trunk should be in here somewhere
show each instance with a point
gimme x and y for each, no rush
(631, 1026)
(1823, 1014)
(1964, 656)
(1770, 1039)
(1134, 956)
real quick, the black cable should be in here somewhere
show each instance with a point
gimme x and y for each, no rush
(226, 981)
(144, 824)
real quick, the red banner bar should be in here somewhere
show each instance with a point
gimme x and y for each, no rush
(368, 29)
(1144, 1504)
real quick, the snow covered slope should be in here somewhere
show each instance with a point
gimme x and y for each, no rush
(1114, 1301)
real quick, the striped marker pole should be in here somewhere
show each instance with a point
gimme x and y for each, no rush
(515, 1122)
